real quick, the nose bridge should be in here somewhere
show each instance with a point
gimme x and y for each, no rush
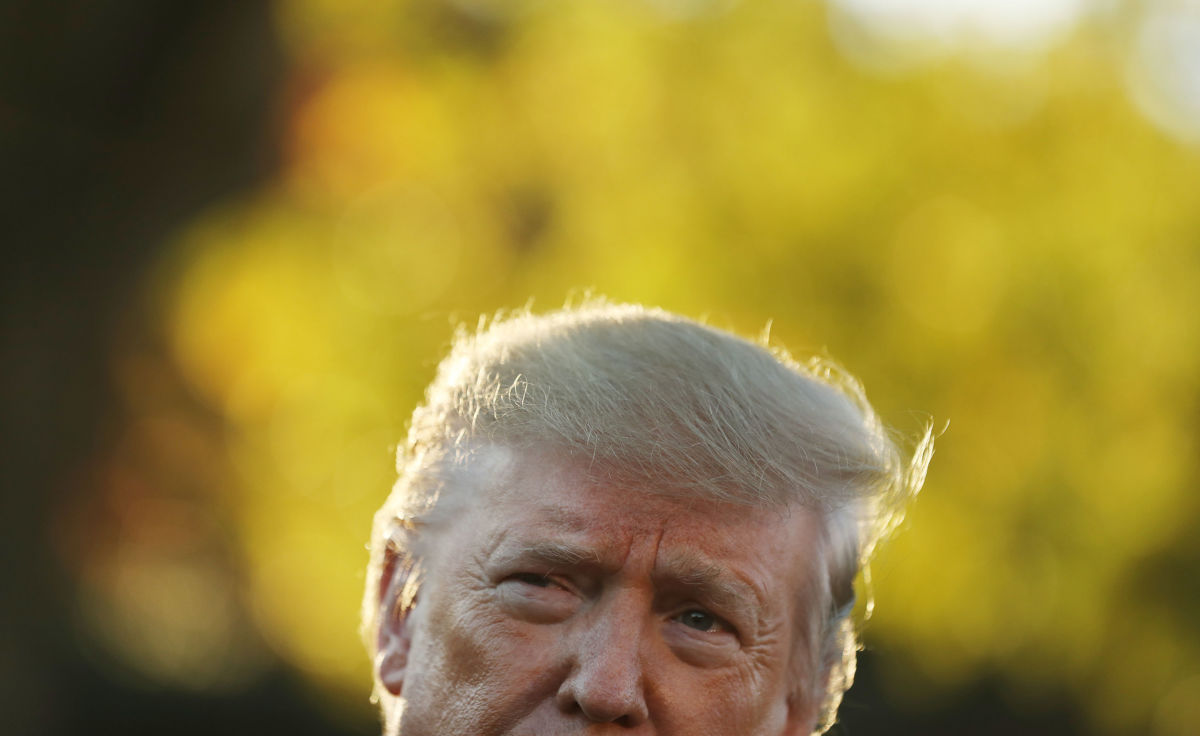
(606, 682)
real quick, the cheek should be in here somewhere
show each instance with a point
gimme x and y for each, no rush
(744, 700)
(461, 654)
(467, 645)
(748, 713)
(454, 673)
(493, 669)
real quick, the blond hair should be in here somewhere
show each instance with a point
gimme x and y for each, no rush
(658, 401)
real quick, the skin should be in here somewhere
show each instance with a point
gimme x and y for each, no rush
(554, 606)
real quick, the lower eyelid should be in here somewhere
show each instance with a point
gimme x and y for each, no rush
(704, 649)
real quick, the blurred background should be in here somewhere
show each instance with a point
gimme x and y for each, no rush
(238, 236)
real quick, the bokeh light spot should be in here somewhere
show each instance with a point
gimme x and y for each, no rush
(1164, 69)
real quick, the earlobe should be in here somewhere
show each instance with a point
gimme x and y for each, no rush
(391, 663)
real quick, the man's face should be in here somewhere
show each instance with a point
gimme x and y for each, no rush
(554, 605)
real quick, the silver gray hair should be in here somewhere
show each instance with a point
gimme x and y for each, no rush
(654, 400)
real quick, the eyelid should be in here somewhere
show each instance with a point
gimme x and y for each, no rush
(531, 578)
(536, 597)
(540, 580)
(724, 624)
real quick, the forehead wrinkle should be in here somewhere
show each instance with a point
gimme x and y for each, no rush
(565, 520)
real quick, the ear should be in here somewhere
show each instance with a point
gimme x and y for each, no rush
(394, 638)
(801, 717)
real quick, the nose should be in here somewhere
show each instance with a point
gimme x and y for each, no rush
(605, 683)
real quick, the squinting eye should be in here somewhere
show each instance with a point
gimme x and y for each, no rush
(700, 620)
(536, 598)
(530, 578)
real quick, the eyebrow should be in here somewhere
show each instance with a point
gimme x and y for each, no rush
(712, 583)
(551, 553)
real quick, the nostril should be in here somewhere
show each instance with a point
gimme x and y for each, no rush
(621, 714)
(626, 722)
(630, 718)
